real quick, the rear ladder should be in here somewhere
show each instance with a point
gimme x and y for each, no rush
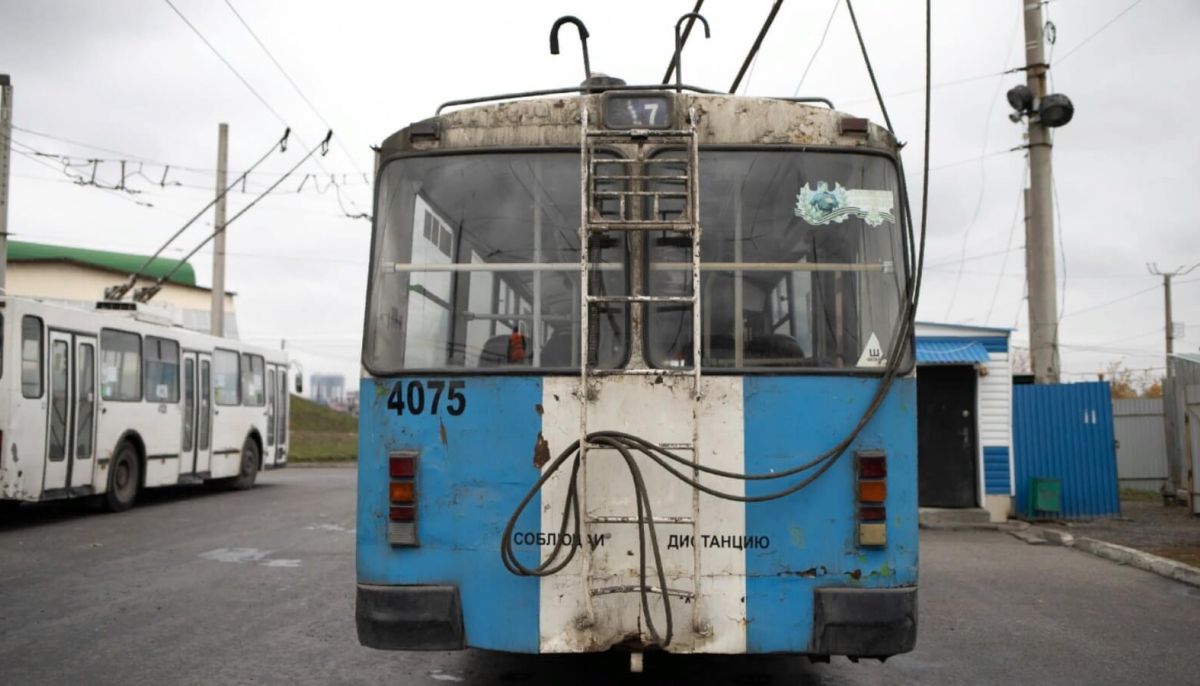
(635, 201)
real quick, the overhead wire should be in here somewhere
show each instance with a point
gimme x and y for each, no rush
(73, 175)
(1012, 230)
(307, 101)
(1062, 247)
(1098, 31)
(936, 86)
(752, 55)
(118, 292)
(820, 44)
(61, 139)
(987, 130)
(145, 294)
(135, 158)
(227, 63)
(248, 86)
(1107, 303)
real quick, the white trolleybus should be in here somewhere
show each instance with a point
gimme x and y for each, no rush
(108, 402)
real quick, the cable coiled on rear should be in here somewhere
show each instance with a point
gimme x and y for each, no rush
(627, 444)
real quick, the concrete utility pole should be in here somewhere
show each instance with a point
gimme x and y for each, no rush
(1170, 325)
(1175, 471)
(218, 278)
(5, 153)
(1039, 231)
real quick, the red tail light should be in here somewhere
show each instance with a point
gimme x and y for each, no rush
(872, 514)
(871, 491)
(402, 466)
(872, 466)
(402, 499)
(405, 513)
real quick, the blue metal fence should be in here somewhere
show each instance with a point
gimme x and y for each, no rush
(1065, 432)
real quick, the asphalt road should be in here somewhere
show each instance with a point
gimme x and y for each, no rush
(258, 587)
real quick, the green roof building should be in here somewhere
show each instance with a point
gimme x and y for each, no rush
(123, 263)
(80, 275)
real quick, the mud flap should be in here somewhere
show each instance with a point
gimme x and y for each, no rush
(409, 617)
(864, 622)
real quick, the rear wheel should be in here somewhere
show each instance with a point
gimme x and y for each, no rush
(124, 474)
(248, 471)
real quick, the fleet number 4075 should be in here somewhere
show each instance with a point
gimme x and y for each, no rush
(417, 397)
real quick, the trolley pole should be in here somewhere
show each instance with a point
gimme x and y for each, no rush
(1039, 233)
(218, 278)
(6, 100)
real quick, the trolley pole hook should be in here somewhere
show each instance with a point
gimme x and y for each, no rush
(583, 36)
(679, 46)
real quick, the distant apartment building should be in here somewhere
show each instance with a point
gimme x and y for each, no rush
(328, 389)
(78, 276)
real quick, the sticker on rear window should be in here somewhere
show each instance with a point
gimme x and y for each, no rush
(872, 354)
(824, 206)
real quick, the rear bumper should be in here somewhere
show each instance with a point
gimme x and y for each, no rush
(409, 617)
(864, 622)
(876, 623)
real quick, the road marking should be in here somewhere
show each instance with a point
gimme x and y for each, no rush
(236, 555)
(328, 527)
(439, 675)
(280, 563)
(243, 555)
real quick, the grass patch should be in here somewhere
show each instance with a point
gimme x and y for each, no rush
(1140, 495)
(319, 434)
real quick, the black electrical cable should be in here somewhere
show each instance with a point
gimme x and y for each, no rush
(625, 444)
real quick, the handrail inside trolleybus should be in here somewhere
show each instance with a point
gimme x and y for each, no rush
(584, 89)
(883, 267)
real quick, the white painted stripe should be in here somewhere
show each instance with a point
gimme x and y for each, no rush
(661, 412)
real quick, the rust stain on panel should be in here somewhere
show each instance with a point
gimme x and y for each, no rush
(541, 451)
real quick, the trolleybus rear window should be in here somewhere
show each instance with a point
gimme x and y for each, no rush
(476, 266)
(801, 263)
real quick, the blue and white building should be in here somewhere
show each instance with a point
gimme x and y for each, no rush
(964, 415)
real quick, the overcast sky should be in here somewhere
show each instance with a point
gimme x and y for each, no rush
(131, 77)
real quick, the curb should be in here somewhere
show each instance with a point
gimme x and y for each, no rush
(960, 526)
(1170, 569)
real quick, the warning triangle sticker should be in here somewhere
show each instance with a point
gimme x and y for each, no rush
(872, 355)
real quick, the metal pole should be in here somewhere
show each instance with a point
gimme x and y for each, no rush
(5, 152)
(1176, 469)
(1167, 311)
(1176, 473)
(218, 278)
(1039, 238)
